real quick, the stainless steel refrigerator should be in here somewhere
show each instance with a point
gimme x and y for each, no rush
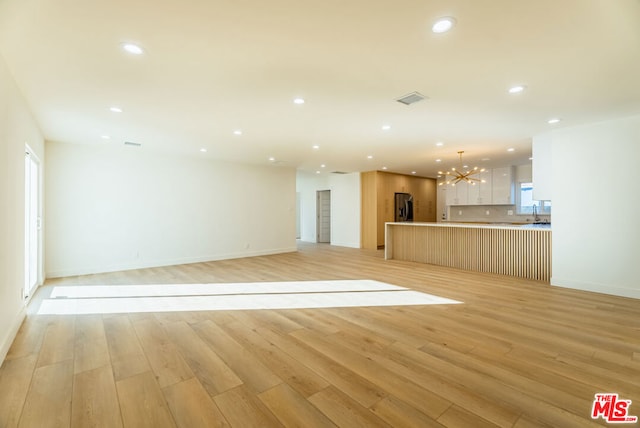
(403, 207)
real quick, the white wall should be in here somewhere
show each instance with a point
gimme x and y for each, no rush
(345, 206)
(115, 207)
(542, 167)
(306, 186)
(595, 212)
(345, 209)
(17, 127)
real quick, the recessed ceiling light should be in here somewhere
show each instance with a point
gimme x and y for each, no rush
(115, 109)
(322, 166)
(272, 159)
(384, 167)
(386, 127)
(531, 158)
(552, 121)
(105, 137)
(132, 48)
(317, 172)
(298, 100)
(370, 157)
(237, 132)
(439, 144)
(516, 89)
(511, 149)
(438, 160)
(442, 25)
(203, 150)
(315, 147)
(413, 172)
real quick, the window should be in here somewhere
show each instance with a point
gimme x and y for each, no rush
(526, 202)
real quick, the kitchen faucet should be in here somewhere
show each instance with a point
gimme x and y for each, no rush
(536, 218)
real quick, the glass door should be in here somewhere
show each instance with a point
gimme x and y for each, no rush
(32, 222)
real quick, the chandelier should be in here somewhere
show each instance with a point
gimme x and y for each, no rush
(454, 176)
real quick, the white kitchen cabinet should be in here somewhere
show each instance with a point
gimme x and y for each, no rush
(449, 194)
(502, 186)
(480, 194)
(457, 194)
(498, 189)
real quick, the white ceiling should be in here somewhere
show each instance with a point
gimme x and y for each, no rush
(213, 66)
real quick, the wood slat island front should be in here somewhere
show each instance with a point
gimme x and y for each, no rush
(522, 251)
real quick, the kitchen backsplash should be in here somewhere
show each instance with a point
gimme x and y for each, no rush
(488, 213)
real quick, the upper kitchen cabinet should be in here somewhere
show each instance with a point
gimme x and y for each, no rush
(464, 193)
(502, 186)
(480, 194)
(457, 194)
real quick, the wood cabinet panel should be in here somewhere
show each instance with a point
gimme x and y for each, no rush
(369, 210)
(424, 194)
(378, 198)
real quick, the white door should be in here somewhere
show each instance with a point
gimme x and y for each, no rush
(32, 222)
(323, 219)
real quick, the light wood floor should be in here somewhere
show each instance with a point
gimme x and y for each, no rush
(516, 353)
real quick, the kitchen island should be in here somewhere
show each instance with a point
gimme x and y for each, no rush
(517, 250)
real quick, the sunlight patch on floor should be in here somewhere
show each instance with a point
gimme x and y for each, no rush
(148, 290)
(102, 299)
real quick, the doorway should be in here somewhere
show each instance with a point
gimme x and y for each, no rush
(32, 223)
(323, 217)
(298, 215)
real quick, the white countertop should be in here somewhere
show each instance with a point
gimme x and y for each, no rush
(475, 225)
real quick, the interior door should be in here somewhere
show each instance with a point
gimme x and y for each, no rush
(323, 220)
(32, 223)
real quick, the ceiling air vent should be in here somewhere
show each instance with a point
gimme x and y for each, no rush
(411, 98)
(129, 143)
(339, 172)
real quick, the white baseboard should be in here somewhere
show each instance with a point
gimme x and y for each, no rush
(633, 293)
(346, 244)
(170, 262)
(12, 332)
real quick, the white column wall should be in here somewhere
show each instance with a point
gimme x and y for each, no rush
(345, 209)
(17, 128)
(114, 207)
(542, 167)
(596, 231)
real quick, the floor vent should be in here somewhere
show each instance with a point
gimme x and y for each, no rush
(411, 98)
